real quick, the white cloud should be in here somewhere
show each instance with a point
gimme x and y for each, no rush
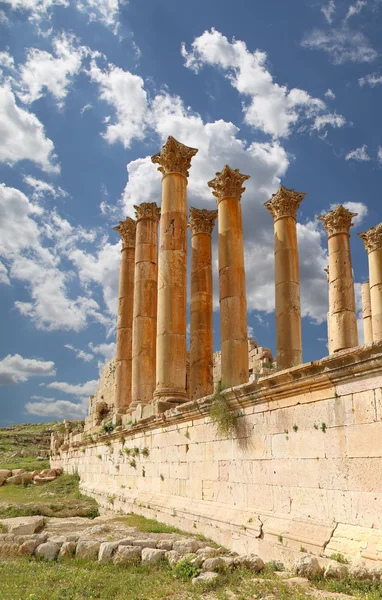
(273, 108)
(106, 350)
(85, 356)
(16, 369)
(360, 154)
(57, 409)
(355, 9)
(330, 94)
(379, 155)
(328, 10)
(37, 9)
(44, 72)
(4, 279)
(372, 79)
(105, 11)
(342, 45)
(41, 188)
(84, 389)
(22, 135)
(85, 108)
(6, 60)
(332, 119)
(125, 93)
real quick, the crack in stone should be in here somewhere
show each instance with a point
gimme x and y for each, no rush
(261, 534)
(330, 537)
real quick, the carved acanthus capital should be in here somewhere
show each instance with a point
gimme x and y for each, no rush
(285, 203)
(372, 238)
(228, 184)
(126, 230)
(338, 220)
(147, 210)
(174, 157)
(202, 220)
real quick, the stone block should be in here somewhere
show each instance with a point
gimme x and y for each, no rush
(249, 561)
(206, 577)
(23, 525)
(106, 551)
(28, 547)
(364, 407)
(87, 549)
(67, 550)
(307, 566)
(151, 556)
(127, 555)
(213, 564)
(185, 546)
(335, 570)
(147, 543)
(48, 551)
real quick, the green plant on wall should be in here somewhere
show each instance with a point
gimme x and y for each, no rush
(222, 417)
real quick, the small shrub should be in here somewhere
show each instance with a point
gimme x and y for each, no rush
(185, 570)
(143, 472)
(145, 452)
(302, 549)
(221, 415)
(286, 431)
(99, 456)
(127, 451)
(337, 556)
(295, 428)
(280, 539)
(133, 463)
(111, 499)
(162, 477)
(108, 427)
(187, 434)
(136, 451)
(323, 427)
(117, 467)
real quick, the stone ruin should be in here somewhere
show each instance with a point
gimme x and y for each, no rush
(304, 465)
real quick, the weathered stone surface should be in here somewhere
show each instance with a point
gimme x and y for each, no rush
(2, 479)
(249, 561)
(23, 525)
(106, 551)
(126, 542)
(307, 566)
(165, 544)
(208, 552)
(49, 551)
(58, 539)
(206, 577)
(28, 547)
(67, 550)
(358, 570)
(127, 554)
(214, 564)
(5, 473)
(151, 556)
(87, 549)
(228, 561)
(17, 471)
(172, 557)
(185, 546)
(335, 570)
(376, 573)
(8, 549)
(41, 480)
(148, 543)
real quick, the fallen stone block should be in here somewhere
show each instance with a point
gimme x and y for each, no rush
(307, 566)
(213, 564)
(87, 549)
(39, 480)
(206, 577)
(359, 570)
(335, 570)
(8, 549)
(208, 552)
(185, 546)
(23, 525)
(5, 473)
(252, 562)
(2, 479)
(165, 544)
(145, 543)
(48, 551)
(126, 542)
(28, 547)
(17, 471)
(106, 551)
(151, 556)
(67, 550)
(127, 554)
(172, 557)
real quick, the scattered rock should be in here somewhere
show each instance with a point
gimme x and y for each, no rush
(185, 546)
(58, 539)
(15, 480)
(206, 577)
(250, 561)
(208, 552)
(5, 473)
(72, 538)
(214, 564)
(172, 557)
(28, 547)
(335, 570)
(307, 566)
(49, 551)
(106, 551)
(40, 480)
(359, 570)
(229, 562)
(127, 554)
(9, 549)
(67, 550)
(23, 525)
(2, 479)
(151, 556)
(97, 530)
(17, 471)
(145, 543)
(165, 544)
(126, 542)
(87, 549)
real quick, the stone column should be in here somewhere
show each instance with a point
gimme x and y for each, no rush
(202, 222)
(227, 189)
(145, 304)
(328, 318)
(174, 160)
(373, 243)
(366, 314)
(343, 320)
(123, 355)
(283, 207)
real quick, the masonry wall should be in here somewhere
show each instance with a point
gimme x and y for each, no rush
(304, 469)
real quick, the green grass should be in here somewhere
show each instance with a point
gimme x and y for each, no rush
(30, 579)
(367, 590)
(58, 498)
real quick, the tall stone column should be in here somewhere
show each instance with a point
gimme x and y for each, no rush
(343, 320)
(123, 355)
(366, 313)
(145, 304)
(373, 243)
(328, 318)
(227, 189)
(202, 222)
(174, 160)
(283, 207)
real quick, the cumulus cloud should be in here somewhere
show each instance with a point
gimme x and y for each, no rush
(42, 188)
(78, 390)
(273, 108)
(57, 409)
(81, 354)
(379, 155)
(330, 94)
(22, 135)
(372, 79)
(359, 154)
(342, 45)
(328, 10)
(105, 11)
(16, 369)
(36, 9)
(105, 350)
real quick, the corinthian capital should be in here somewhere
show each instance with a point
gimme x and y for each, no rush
(228, 184)
(372, 238)
(285, 203)
(147, 210)
(338, 220)
(126, 230)
(174, 157)
(202, 220)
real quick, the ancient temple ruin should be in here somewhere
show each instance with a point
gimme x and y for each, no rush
(302, 462)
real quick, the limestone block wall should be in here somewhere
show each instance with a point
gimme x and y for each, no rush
(105, 394)
(303, 470)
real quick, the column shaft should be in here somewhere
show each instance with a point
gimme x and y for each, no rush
(145, 304)
(366, 314)
(375, 274)
(201, 320)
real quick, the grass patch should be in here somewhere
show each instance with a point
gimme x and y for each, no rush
(30, 579)
(224, 419)
(367, 590)
(61, 497)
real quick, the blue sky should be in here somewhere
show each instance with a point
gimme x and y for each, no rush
(284, 91)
